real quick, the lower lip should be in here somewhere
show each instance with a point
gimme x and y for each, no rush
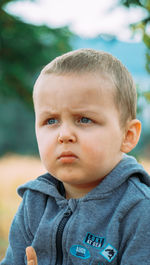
(67, 159)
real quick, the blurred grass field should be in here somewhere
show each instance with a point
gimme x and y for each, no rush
(14, 171)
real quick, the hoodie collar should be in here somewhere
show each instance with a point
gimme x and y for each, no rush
(128, 166)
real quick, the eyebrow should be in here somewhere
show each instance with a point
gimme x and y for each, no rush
(48, 113)
(73, 111)
(84, 111)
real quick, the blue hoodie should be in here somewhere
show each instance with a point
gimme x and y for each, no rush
(109, 225)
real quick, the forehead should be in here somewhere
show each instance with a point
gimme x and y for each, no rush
(77, 89)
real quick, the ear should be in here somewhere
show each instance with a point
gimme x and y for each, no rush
(131, 136)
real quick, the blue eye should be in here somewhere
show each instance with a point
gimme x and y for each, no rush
(85, 120)
(52, 121)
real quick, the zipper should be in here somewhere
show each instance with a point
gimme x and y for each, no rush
(62, 224)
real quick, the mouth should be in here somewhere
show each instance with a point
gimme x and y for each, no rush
(67, 157)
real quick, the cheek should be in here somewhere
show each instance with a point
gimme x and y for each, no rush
(45, 144)
(101, 145)
(92, 148)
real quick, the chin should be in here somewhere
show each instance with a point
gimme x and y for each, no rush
(71, 180)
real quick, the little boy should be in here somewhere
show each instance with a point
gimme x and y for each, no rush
(93, 205)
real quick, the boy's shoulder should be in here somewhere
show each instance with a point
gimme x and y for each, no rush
(141, 187)
(135, 200)
(36, 197)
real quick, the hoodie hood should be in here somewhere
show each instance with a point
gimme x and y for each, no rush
(128, 167)
(108, 224)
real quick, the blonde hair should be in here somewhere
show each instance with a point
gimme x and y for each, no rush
(90, 61)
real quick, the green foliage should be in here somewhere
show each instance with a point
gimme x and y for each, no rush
(24, 50)
(147, 95)
(17, 134)
(142, 25)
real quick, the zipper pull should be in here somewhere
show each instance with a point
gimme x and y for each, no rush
(68, 213)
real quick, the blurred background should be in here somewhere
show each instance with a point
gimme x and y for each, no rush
(32, 33)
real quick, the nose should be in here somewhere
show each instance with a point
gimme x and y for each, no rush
(66, 135)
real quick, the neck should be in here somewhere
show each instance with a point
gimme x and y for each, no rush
(79, 191)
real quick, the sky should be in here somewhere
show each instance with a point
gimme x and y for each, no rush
(86, 18)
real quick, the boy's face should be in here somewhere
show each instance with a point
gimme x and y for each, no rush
(77, 127)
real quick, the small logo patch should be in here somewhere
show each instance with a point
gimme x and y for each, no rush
(94, 241)
(80, 252)
(109, 252)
